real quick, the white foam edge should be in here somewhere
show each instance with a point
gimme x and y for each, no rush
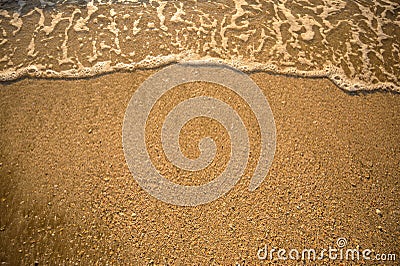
(336, 75)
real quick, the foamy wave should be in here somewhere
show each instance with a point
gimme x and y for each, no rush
(353, 44)
(335, 74)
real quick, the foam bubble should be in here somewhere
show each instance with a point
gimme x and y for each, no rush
(299, 38)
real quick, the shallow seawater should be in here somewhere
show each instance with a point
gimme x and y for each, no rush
(353, 43)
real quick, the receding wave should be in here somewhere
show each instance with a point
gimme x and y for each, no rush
(353, 43)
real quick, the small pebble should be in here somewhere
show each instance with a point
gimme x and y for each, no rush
(378, 211)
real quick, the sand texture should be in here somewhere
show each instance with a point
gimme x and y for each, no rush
(67, 196)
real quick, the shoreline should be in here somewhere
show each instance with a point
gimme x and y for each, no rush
(332, 73)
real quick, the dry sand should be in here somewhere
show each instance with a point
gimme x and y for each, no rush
(66, 194)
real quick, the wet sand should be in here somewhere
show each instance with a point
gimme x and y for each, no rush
(67, 194)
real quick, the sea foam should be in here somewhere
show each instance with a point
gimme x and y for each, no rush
(353, 44)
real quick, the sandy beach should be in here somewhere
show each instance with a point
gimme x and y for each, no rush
(67, 195)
